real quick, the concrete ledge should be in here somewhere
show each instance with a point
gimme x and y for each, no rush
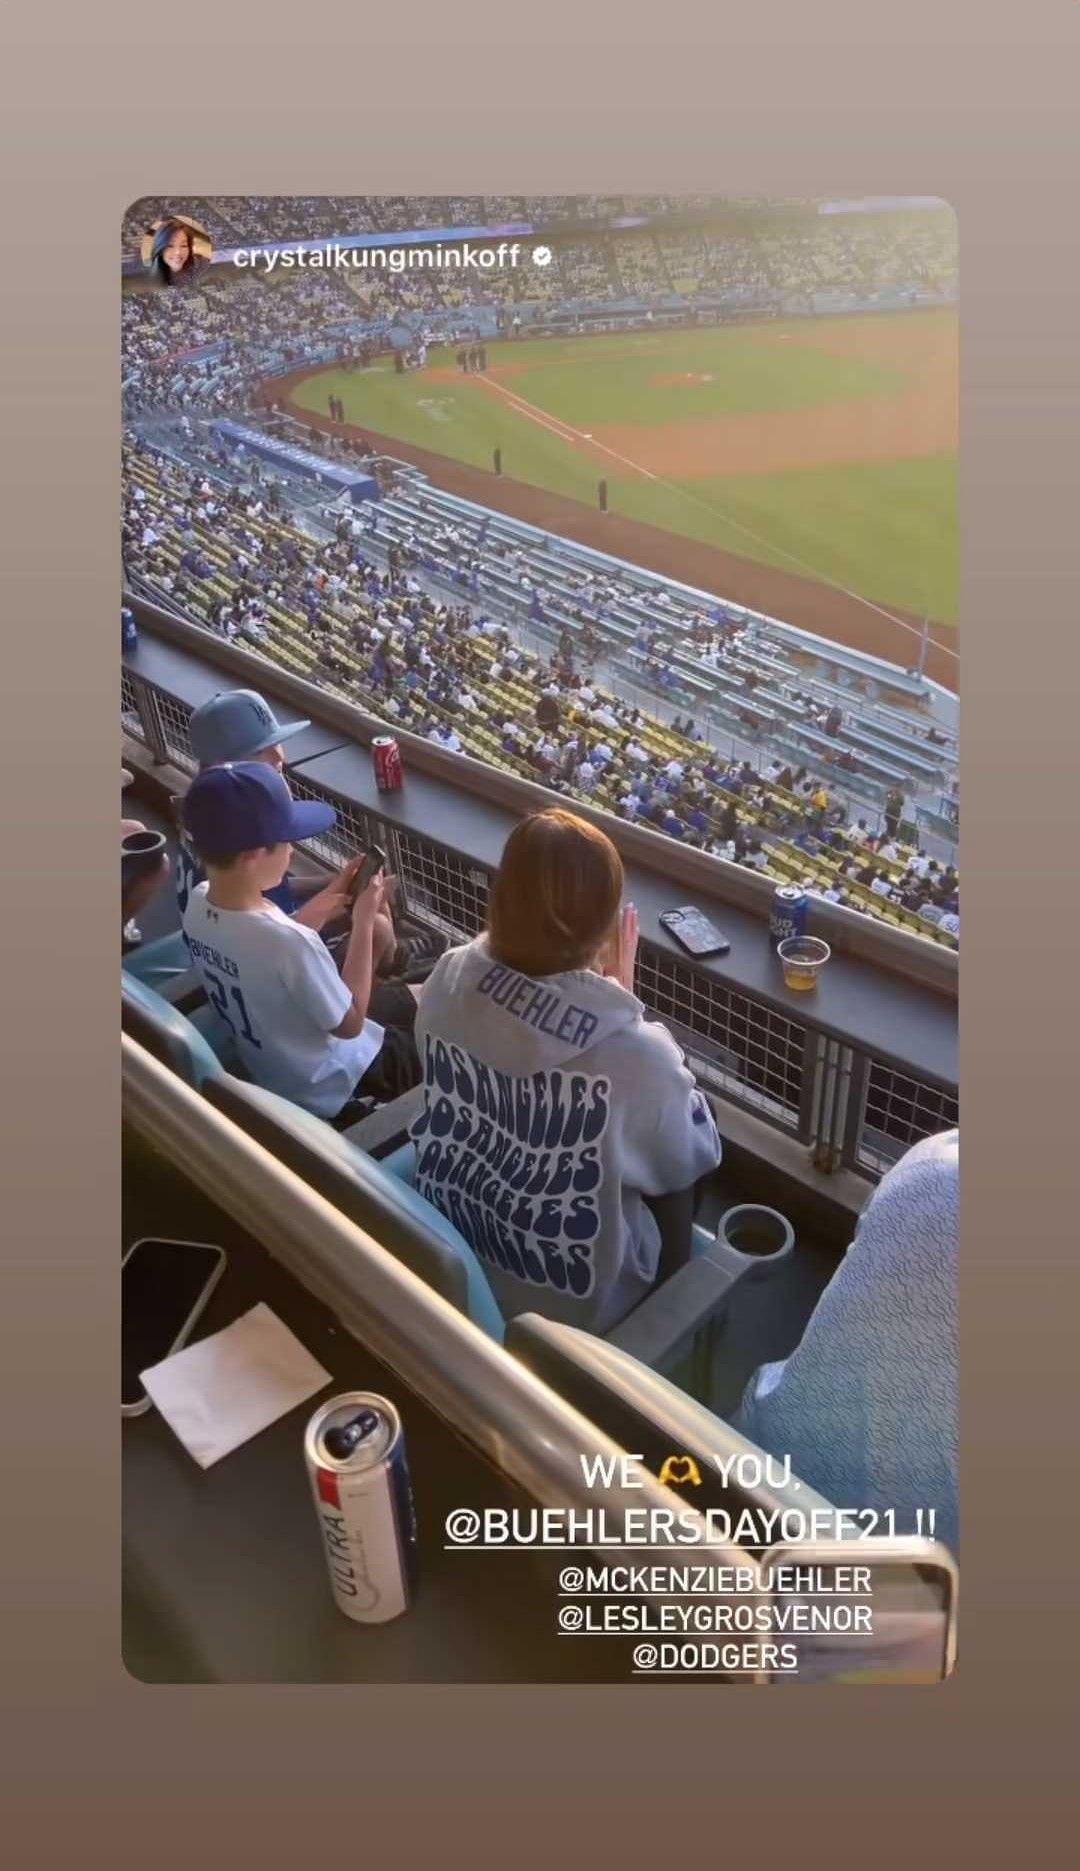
(820, 1203)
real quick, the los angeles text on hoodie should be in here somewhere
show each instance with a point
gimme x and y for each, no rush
(551, 1108)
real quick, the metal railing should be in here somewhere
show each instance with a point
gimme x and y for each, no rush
(850, 1108)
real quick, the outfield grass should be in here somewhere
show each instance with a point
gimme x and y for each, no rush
(614, 379)
(884, 529)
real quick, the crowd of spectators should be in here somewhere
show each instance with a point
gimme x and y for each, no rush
(856, 254)
(230, 219)
(381, 295)
(227, 554)
(861, 254)
(295, 314)
(853, 253)
(698, 262)
(640, 267)
(584, 270)
(243, 317)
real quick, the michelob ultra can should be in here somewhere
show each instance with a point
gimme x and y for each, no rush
(787, 918)
(386, 755)
(355, 1454)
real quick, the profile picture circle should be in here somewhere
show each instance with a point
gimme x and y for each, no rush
(175, 249)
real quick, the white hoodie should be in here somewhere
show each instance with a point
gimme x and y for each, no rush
(551, 1108)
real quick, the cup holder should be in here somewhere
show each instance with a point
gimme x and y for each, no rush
(754, 1240)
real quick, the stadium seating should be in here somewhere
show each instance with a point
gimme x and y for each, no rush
(285, 634)
(748, 680)
(666, 1329)
(258, 325)
(643, 1410)
(161, 962)
(674, 1328)
(196, 1048)
(368, 1192)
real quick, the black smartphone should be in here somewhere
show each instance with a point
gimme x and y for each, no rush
(374, 861)
(164, 1286)
(694, 932)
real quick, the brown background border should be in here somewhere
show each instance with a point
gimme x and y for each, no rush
(970, 101)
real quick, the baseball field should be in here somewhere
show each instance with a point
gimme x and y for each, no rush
(825, 448)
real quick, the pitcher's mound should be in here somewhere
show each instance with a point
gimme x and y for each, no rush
(683, 376)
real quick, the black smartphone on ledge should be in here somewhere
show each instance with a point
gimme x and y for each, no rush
(693, 931)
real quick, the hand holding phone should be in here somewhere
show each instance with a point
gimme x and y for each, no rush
(373, 861)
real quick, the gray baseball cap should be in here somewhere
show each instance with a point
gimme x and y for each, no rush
(236, 725)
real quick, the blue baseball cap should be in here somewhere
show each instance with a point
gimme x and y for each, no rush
(236, 725)
(246, 804)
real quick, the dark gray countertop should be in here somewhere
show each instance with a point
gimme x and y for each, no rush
(224, 1574)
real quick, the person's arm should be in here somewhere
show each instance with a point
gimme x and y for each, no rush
(618, 959)
(669, 1142)
(672, 1204)
(329, 902)
(358, 968)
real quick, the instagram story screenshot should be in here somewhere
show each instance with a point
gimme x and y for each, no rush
(539, 932)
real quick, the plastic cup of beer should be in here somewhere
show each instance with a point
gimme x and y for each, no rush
(802, 959)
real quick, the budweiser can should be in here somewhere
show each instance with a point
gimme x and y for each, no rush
(386, 755)
(787, 918)
(355, 1454)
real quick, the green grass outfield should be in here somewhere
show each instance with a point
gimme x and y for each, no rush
(884, 529)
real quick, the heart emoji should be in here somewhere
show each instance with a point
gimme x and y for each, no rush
(680, 1468)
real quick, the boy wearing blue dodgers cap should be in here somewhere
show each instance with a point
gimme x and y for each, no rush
(238, 724)
(302, 1029)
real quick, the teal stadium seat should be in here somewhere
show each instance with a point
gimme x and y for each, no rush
(196, 1049)
(642, 1410)
(383, 1204)
(386, 1207)
(671, 1327)
(161, 961)
(379, 1196)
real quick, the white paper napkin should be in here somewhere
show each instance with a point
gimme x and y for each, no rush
(219, 1393)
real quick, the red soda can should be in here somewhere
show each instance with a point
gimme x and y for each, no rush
(386, 755)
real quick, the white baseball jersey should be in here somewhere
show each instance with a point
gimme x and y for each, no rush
(275, 985)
